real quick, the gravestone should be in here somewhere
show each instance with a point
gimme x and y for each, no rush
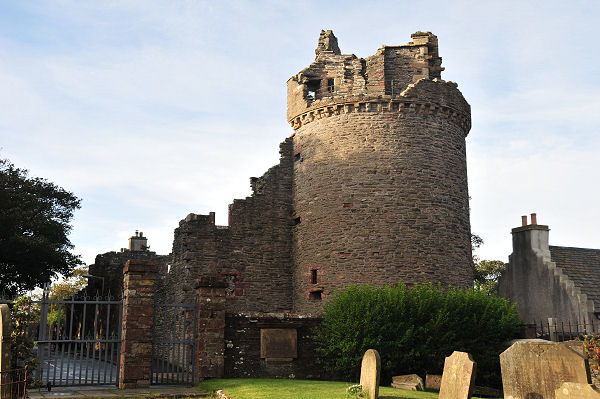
(433, 381)
(458, 377)
(369, 373)
(535, 369)
(411, 382)
(573, 390)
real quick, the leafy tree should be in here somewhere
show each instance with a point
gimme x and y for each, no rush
(486, 272)
(415, 329)
(65, 289)
(34, 227)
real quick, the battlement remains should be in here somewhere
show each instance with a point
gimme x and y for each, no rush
(343, 79)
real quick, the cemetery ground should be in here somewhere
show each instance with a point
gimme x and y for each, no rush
(258, 388)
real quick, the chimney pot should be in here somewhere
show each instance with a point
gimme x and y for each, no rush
(533, 218)
(524, 220)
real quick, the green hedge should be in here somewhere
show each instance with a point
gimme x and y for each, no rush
(415, 329)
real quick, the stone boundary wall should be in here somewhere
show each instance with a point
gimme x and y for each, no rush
(243, 347)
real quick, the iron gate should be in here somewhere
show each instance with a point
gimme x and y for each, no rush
(79, 341)
(174, 334)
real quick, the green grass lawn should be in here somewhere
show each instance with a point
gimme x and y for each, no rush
(257, 388)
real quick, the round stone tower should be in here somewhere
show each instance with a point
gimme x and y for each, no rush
(380, 176)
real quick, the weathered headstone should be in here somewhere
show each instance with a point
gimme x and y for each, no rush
(458, 377)
(411, 382)
(573, 390)
(5, 330)
(433, 381)
(535, 369)
(369, 373)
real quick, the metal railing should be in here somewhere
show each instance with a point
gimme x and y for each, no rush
(560, 331)
(79, 341)
(174, 338)
(13, 384)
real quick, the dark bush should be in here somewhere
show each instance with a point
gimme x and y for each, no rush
(415, 329)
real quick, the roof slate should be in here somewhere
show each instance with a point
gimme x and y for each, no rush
(582, 265)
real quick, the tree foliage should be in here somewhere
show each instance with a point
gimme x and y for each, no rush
(35, 218)
(486, 272)
(415, 329)
(25, 316)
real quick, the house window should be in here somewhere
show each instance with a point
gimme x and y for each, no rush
(298, 220)
(313, 276)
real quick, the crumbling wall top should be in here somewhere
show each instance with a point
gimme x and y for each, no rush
(334, 76)
(327, 42)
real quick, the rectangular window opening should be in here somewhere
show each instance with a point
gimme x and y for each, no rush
(315, 295)
(330, 85)
(313, 87)
(313, 276)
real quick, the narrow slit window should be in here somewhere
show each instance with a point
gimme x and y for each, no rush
(313, 276)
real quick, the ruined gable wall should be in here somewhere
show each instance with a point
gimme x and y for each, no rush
(253, 253)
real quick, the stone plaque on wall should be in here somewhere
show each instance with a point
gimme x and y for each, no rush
(278, 343)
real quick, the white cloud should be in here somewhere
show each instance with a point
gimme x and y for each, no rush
(152, 110)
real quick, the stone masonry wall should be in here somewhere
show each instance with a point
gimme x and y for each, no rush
(242, 347)
(110, 265)
(252, 254)
(139, 277)
(380, 181)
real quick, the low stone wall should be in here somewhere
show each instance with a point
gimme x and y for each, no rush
(243, 347)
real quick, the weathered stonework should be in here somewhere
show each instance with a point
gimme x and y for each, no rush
(243, 350)
(138, 311)
(371, 188)
(380, 178)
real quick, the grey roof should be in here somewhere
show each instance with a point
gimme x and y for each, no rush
(582, 265)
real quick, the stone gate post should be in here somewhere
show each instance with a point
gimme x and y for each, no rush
(210, 343)
(5, 330)
(139, 277)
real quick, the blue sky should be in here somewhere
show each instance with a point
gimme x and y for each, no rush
(150, 110)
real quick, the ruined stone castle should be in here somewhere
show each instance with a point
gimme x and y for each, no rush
(371, 187)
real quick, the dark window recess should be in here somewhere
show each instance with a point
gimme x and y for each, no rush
(348, 204)
(313, 276)
(230, 281)
(313, 87)
(298, 220)
(297, 156)
(314, 295)
(330, 85)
